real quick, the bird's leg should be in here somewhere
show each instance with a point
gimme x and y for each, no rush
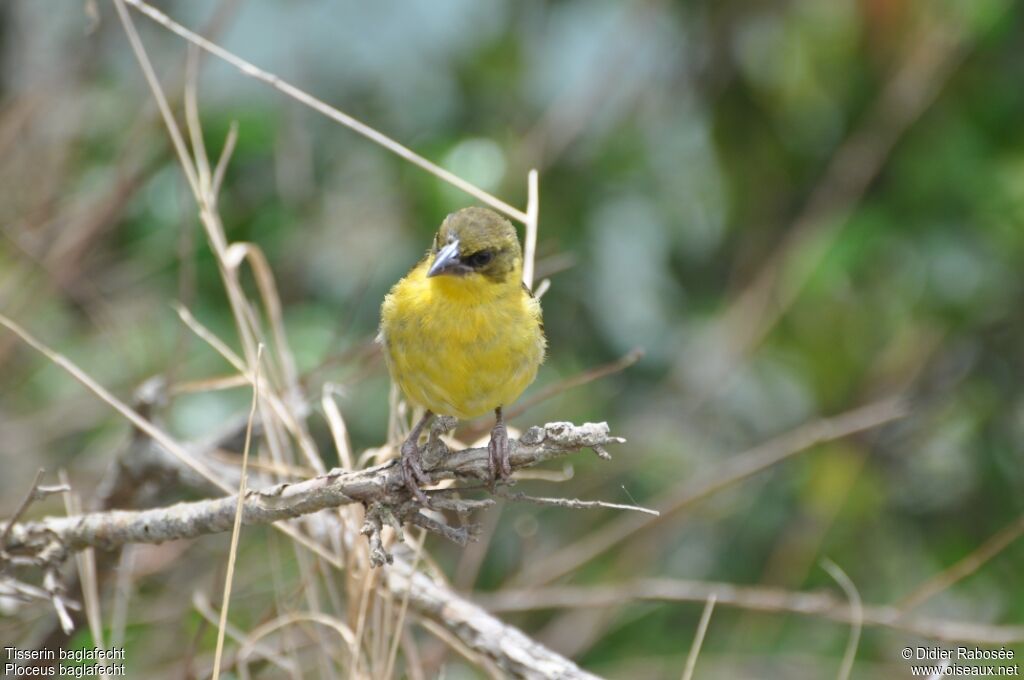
(412, 461)
(499, 451)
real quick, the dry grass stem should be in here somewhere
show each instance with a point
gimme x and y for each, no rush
(322, 107)
(966, 566)
(86, 563)
(236, 528)
(530, 241)
(698, 640)
(856, 616)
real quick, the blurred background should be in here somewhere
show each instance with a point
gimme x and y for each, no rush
(795, 209)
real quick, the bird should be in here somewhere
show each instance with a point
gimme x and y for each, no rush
(462, 335)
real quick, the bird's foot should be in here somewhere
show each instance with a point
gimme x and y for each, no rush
(412, 468)
(499, 454)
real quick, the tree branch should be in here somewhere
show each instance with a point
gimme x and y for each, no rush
(382, 484)
(379, 488)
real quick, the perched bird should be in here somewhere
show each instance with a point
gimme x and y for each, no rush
(462, 334)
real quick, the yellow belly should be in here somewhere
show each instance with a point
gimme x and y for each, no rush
(460, 347)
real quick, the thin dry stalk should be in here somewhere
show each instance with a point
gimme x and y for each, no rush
(123, 587)
(944, 580)
(155, 433)
(400, 623)
(698, 641)
(256, 635)
(530, 241)
(322, 107)
(336, 423)
(152, 431)
(272, 655)
(856, 614)
(369, 583)
(86, 563)
(161, 100)
(278, 406)
(236, 530)
(442, 634)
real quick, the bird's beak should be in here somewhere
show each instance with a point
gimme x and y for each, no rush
(447, 260)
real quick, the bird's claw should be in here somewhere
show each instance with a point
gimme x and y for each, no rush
(499, 455)
(412, 469)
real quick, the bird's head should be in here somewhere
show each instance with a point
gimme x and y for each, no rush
(478, 246)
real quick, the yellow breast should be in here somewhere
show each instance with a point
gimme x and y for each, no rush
(461, 346)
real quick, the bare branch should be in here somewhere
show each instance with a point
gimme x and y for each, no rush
(381, 484)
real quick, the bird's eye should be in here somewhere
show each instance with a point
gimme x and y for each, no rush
(480, 258)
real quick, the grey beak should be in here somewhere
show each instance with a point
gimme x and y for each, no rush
(447, 259)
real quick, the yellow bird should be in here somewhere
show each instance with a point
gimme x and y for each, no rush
(462, 335)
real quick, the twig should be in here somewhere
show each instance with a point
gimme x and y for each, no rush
(373, 529)
(574, 503)
(35, 493)
(48, 557)
(458, 535)
(55, 587)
